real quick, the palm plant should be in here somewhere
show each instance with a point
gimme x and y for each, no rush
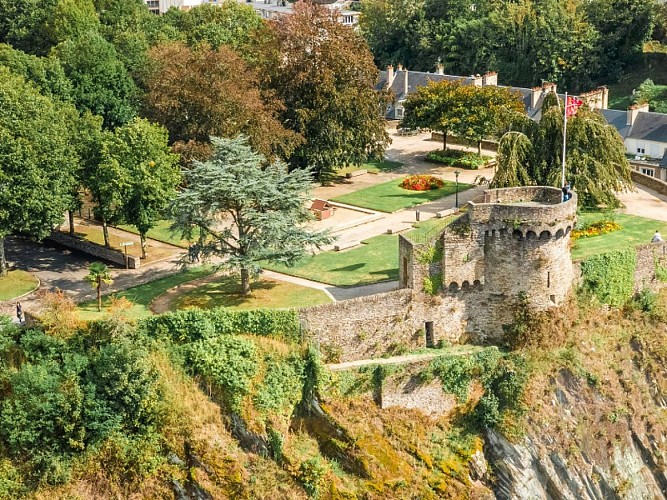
(99, 273)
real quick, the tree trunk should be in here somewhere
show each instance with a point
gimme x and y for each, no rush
(142, 237)
(479, 148)
(105, 231)
(245, 281)
(3, 263)
(70, 215)
(99, 296)
(444, 140)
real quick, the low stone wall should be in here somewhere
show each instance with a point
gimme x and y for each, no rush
(98, 251)
(377, 325)
(406, 390)
(650, 182)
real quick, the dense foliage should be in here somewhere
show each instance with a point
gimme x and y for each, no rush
(596, 165)
(610, 276)
(575, 44)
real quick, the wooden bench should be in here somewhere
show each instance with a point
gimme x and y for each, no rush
(356, 173)
(345, 245)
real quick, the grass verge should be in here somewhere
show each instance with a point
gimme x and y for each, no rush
(266, 293)
(376, 260)
(17, 283)
(141, 296)
(634, 231)
(390, 197)
(160, 232)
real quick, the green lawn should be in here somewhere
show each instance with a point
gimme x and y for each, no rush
(17, 283)
(141, 296)
(374, 261)
(375, 167)
(390, 197)
(635, 231)
(160, 232)
(266, 293)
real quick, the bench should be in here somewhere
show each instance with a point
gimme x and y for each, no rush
(355, 173)
(491, 163)
(397, 229)
(445, 213)
(345, 245)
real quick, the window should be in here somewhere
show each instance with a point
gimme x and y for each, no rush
(399, 112)
(348, 19)
(648, 171)
(641, 148)
(153, 6)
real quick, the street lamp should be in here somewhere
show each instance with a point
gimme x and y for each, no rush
(456, 203)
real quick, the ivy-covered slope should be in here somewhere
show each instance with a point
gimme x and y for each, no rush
(181, 405)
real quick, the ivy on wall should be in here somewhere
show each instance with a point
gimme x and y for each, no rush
(610, 276)
(432, 284)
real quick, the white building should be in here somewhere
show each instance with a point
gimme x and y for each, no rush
(162, 6)
(270, 9)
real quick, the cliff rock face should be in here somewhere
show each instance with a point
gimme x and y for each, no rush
(584, 448)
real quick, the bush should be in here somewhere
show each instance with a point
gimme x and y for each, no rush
(229, 362)
(196, 324)
(610, 276)
(422, 183)
(458, 158)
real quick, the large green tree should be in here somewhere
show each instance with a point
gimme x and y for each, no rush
(595, 157)
(325, 75)
(101, 82)
(244, 213)
(36, 161)
(141, 149)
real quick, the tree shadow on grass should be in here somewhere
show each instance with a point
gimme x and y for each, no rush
(226, 293)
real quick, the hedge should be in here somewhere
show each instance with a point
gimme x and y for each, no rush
(193, 324)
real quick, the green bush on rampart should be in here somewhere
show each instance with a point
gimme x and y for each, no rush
(610, 276)
(195, 324)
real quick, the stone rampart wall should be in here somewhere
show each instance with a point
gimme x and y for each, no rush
(541, 194)
(98, 251)
(377, 325)
(649, 182)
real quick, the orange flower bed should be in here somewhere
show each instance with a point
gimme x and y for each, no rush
(422, 183)
(596, 229)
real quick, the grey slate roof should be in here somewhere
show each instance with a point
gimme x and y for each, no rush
(617, 119)
(650, 127)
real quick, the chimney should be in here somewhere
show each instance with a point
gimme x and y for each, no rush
(490, 78)
(390, 75)
(549, 87)
(399, 67)
(634, 110)
(535, 94)
(439, 69)
(406, 87)
(476, 80)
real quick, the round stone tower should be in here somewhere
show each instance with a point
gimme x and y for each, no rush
(515, 241)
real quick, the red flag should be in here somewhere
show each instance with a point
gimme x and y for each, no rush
(572, 106)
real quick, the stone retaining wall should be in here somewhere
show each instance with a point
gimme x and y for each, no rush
(98, 251)
(650, 182)
(647, 257)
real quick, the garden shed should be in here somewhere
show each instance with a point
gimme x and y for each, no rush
(322, 209)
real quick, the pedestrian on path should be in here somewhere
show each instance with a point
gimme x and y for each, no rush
(19, 312)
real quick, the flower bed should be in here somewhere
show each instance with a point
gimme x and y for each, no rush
(595, 229)
(422, 183)
(458, 158)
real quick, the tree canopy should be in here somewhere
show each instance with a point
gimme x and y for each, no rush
(36, 161)
(245, 213)
(324, 74)
(595, 158)
(200, 92)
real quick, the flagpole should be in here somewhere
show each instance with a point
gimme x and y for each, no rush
(564, 139)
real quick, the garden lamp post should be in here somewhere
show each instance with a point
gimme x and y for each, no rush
(456, 203)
